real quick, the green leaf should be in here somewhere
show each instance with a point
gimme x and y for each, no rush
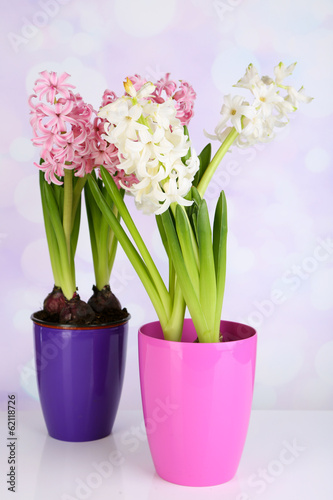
(204, 158)
(79, 183)
(188, 246)
(120, 204)
(220, 230)
(188, 155)
(103, 249)
(100, 235)
(113, 242)
(94, 217)
(58, 192)
(196, 196)
(137, 262)
(207, 269)
(100, 184)
(162, 233)
(109, 201)
(76, 228)
(194, 223)
(192, 210)
(50, 236)
(68, 280)
(184, 280)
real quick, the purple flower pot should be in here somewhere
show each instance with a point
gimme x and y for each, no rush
(80, 372)
(197, 401)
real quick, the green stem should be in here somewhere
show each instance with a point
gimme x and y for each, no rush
(65, 258)
(174, 328)
(94, 218)
(50, 236)
(102, 275)
(223, 149)
(112, 252)
(99, 232)
(113, 244)
(172, 279)
(68, 208)
(77, 194)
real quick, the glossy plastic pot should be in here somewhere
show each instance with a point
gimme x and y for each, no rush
(80, 373)
(197, 401)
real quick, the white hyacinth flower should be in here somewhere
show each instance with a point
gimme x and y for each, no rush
(281, 72)
(233, 109)
(250, 80)
(256, 122)
(295, 97)
(267, 99)
(151, 144)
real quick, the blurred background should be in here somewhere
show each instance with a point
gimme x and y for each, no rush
(280, 248)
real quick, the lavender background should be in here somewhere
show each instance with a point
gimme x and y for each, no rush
(280, 275)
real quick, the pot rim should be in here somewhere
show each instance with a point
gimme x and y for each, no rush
(251, 329)
(61, 326)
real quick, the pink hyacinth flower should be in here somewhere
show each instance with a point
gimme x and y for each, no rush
(50, 170)
(138, 81)
(166, 85)
(69, 146)
(59, 116)
(49, 85)
(124, 181)
(184, 98)
(82, 112)
(104, 153)
(36, 114)
(85, 165)
(108, 97)
(45, 141)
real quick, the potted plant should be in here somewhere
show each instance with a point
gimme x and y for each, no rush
(201, 369)
(80, 347)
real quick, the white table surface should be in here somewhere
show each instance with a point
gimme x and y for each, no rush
(48, 469)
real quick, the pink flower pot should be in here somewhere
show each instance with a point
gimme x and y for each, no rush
(197, 401)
